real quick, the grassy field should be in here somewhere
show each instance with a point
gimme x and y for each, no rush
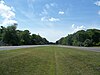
(49, 61)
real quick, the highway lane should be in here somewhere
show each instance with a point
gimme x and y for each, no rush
(18, 47)
(97, 49)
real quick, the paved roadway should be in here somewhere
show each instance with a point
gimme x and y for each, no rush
(97, 49)
(17, 47)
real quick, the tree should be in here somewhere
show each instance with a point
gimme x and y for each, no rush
(69, 40)
(34, 39)
(2, 29)
(10, 36)
(25, 37)
(94, 35)
(45, 41)
(82, 38)
(37, 39)
(78, 38)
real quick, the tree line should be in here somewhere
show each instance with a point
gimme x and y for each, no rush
(11, 36)
(90, 37)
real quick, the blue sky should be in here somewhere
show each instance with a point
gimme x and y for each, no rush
(51, 19)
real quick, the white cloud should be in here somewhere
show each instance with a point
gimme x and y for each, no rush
(6, 21)
(50, 5)
(45, 9)
(2, 2)
(97, 3)
(61, 12)
(53, 4)
(77, 28)
(73, 25)
(47, 6)
(44, 19)
(53, 19)
(7, 14)
(45, 13)
(99, 12)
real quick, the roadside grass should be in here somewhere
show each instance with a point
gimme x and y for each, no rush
(49, 60)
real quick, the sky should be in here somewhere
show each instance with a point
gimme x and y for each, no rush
(51, 19)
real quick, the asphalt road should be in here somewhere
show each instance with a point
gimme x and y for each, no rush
(17, 47)
(96, 49)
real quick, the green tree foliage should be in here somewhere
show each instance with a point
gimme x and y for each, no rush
(37, 39)
(25, 37)
(90, 37)
(87, 43)
(11, 36)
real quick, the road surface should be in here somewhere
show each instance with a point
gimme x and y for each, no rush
(97, 49)
(17, 47)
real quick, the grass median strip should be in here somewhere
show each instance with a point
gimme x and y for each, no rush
(49, 61)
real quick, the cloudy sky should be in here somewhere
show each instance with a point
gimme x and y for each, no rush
(52, 19)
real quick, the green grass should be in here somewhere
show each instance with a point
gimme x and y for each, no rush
(49, 61)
